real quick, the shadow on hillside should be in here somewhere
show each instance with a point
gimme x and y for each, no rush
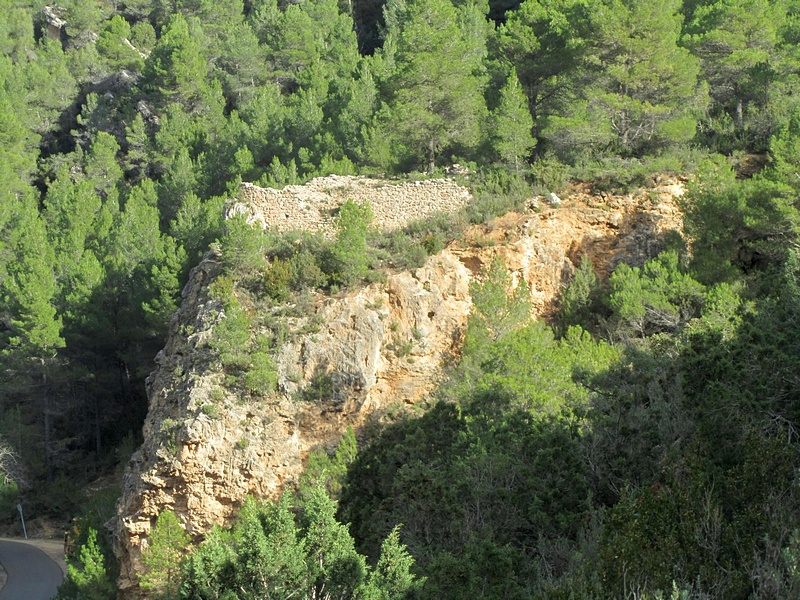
(637, 238)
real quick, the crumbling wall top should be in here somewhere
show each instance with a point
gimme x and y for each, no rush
(313, 206)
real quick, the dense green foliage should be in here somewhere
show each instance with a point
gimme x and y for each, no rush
(88, 579)
(163, 557)
(271, 553)
(91, 568)
(647, 444)
(568, 468)
(664, 465)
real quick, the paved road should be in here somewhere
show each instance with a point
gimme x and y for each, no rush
(32, 575)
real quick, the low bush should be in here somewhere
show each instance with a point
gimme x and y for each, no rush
(495, 193)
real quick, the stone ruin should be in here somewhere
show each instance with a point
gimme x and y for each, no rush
(314, 206)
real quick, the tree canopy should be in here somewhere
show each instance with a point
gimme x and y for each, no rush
(646, 445)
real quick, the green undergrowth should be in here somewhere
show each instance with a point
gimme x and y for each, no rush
(92, 569)
(643, 446)
(267, 277)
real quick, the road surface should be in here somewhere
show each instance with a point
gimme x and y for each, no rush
(32, 575)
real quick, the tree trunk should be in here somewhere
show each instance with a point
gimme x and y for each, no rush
(97, 436)
(431, 157)
(739, 113)
(48, 442)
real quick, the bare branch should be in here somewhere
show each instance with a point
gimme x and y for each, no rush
(11, 467)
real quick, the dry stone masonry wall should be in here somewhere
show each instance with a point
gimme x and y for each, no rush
(313, 206)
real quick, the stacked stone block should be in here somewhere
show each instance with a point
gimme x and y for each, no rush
(314, 206)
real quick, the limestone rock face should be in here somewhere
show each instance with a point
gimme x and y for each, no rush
(54, 19)
(205, 450)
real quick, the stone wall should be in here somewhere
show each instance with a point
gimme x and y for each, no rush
(313, 206)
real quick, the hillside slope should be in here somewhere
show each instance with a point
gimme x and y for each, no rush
(352, 357)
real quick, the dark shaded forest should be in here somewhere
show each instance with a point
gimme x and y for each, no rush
(643, 445)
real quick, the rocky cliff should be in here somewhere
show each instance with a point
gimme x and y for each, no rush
(205, 449)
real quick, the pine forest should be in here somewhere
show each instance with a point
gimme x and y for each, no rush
(641, 442)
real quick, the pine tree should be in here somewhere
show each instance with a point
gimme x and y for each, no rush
(88, 580)
(101, 166)
(31, 335)
(83, 21)
(137, 153)
(178, 131)
(263, 556)
(16, 31)
(164, 556)
(270, 553)
(736, 42)
(176, 69)
(785, 154)
(334, 566)
(360, 101)
(545, 40)
(643, 92)
(143, 36)
(577, 299)
(264, 113)
(197, 224)
(164, 284)
(500, 307)
(241, 62)
(348, 262)
(115, 46)
(49, 85)
(133, 255)
(17, 145)
(177, 184)
(32, 327)
(242, 247)
(310, 34)
(71, 210)
(512, 139)
(392, 578)
(435, 96)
